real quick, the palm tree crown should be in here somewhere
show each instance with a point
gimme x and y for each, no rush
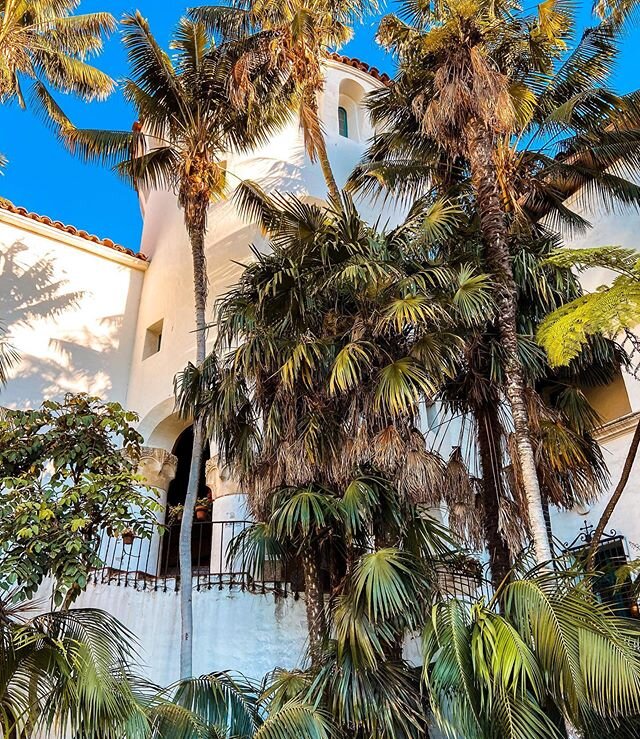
(293, 38)
(43, 40)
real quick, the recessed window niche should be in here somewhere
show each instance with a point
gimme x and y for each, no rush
(153, 339)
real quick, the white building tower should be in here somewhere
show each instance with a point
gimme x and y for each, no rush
(89, 316)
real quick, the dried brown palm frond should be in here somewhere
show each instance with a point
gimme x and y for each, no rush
(466, 518)
(460, 493)
(421, 477)
(458, 483)
(570, 462)
(470, 87)
(388, 449)
(510, 525)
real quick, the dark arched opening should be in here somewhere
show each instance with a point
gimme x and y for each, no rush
(202, 530)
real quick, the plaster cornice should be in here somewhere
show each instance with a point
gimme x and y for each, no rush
(618, 427)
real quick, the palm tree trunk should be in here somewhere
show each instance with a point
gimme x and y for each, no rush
(615, 497)
(327, 172)
(489, 432)
(481, 147)
(314, 601)
(316, 143)
(196, 229)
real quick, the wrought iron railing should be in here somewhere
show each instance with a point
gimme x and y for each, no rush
(466, 583)
(153, 563)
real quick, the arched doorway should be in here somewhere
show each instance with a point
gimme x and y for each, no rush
(202, 530)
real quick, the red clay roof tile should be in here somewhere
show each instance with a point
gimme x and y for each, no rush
(11, 208)
(363, 66)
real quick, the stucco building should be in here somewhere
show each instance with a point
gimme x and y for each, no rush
(88, 315)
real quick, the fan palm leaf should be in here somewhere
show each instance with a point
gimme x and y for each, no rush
(68, 671)
(292, 40)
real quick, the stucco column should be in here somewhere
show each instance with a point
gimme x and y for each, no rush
(228, 511)
(158, 468)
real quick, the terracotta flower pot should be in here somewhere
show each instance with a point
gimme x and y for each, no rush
(202, 513)
(128, 537)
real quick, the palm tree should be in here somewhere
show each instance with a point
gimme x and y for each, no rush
(569, 462)
(44, 41)
(294, 38)
(66, 672)
(225, 705)
(551, 654)
(475, 80)
(337, 336)
(190, 124)
(378, 594)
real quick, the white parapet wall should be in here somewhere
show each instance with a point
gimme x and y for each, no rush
(233, 629)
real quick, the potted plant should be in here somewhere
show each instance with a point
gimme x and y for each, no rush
(174, 514)
(203, 506)
(128, 535)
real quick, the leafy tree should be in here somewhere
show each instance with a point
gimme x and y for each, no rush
(191, 122)
(475, 81)
(294, 38)
(610, 310)
(46, 43)
(67, 479)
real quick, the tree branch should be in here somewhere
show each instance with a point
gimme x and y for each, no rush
(608, 511)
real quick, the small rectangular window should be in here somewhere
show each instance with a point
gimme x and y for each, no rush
(153, 339)
(343, 122)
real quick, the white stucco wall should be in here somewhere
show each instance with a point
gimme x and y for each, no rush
(70, 308)
(233, 630)
(281, 165)
(626, 516)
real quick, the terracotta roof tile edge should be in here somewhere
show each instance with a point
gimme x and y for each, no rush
(362, 66)
(58, 225)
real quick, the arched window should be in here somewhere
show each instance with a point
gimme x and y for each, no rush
(343, 122)
(351, 113)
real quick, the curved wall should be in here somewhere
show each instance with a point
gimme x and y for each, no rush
(167, 294)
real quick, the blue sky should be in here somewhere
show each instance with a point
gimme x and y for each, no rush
(42, 177)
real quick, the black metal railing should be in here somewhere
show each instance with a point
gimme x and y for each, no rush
(466, 583)
(153, 563)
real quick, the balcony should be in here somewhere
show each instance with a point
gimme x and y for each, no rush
(153, 564)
